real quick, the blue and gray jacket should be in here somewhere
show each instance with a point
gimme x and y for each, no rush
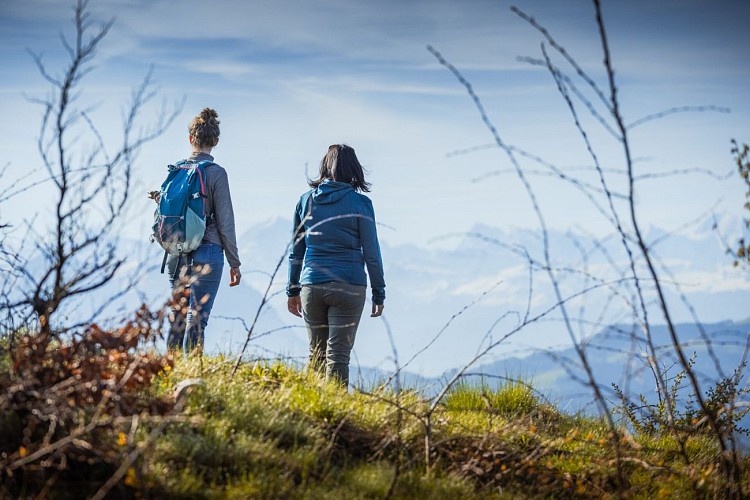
(335, 238)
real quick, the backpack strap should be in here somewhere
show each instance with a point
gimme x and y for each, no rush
(204, 164)
(182, 163)
(188, 261)
(176, 272)
(164, 261)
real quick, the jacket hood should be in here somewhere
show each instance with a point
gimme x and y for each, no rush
(331, 191)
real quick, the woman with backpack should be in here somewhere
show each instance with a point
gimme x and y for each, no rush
(335, 238)
(195, 278)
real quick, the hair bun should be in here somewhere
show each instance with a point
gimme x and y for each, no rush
(204, 128)
(208, 115)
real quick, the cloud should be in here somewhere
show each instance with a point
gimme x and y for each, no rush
(289, 76)
(226, 69)
(721, 280)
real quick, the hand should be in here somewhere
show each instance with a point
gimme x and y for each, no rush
(234, 276)
(377, 310)
(294, 304)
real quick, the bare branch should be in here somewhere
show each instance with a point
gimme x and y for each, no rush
(676, 110)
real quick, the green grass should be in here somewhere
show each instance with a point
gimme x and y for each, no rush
(510, 399)
(271, 431)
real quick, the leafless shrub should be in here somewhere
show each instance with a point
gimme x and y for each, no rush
(49, 269)
(742, 159)
(641, 286)
(74, 392)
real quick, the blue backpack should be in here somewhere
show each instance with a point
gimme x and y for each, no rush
(180, 219)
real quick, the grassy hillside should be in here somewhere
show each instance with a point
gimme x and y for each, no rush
(270, 431)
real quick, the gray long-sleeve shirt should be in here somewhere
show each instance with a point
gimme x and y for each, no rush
(220, 220)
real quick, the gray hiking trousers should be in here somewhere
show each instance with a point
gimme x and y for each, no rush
(332, 312)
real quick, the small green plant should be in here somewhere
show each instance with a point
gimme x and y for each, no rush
(654, 418)
(721, 400)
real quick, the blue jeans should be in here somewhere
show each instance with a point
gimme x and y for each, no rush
(332, 312)
(194, 295)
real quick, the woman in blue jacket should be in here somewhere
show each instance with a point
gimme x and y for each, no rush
(335, 238)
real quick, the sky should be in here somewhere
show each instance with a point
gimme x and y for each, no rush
(288, 78)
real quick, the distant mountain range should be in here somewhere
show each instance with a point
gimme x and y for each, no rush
(482, 278)
(617, 355)
(449, 298)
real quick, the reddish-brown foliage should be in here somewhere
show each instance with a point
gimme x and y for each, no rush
(69, 401)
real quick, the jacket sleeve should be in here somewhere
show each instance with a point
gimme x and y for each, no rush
(296, 253)
(224, 214)
(368, 235)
